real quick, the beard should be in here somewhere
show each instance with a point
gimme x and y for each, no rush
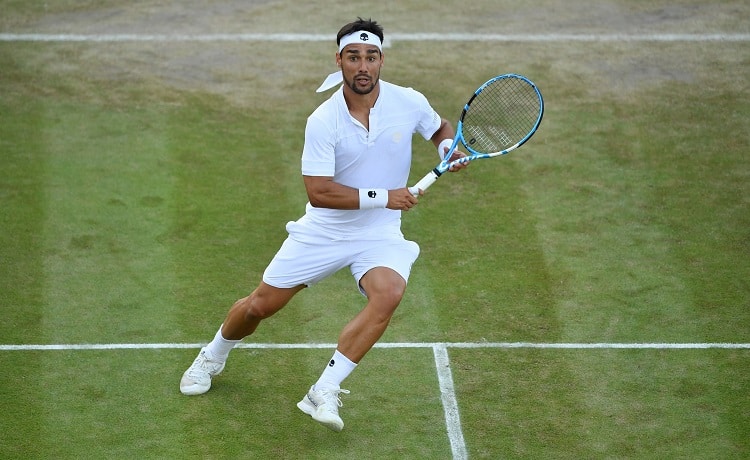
(352, 84)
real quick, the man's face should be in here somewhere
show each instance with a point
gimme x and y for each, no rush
(360, 66)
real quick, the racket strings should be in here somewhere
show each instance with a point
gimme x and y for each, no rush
(501, 115)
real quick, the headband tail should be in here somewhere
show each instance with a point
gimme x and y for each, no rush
(334, 79)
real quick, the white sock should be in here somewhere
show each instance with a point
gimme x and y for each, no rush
(219, 348)
(338, 368)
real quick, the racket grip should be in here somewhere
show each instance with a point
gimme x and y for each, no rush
(426, 181)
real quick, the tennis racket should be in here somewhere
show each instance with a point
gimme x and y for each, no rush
(500, 116)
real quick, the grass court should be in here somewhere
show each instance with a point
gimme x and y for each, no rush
(587, 296)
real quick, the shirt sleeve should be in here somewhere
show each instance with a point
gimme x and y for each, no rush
(429, 121)
(318, 153)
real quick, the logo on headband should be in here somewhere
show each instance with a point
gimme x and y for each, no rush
(360, 36)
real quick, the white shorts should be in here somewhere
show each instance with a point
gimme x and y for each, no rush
(306, 258)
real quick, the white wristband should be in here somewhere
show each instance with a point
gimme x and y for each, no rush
(444, 145)
(373, 198)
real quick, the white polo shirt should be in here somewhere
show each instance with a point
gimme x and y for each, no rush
(339, 146)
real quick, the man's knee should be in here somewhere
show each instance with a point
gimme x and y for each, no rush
(254, 307)
(265, 301)
(392, 294)
(384, 286)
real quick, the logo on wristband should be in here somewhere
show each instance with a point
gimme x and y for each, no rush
(372, 194)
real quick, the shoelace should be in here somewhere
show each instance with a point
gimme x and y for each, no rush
(201, 368)
(334, 394)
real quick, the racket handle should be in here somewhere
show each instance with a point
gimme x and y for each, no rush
(426, 181)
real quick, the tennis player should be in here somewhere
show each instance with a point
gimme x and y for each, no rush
(355, 165)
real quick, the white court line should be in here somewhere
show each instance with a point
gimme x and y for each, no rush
(450, 403)
(570, 346)
(462, 37)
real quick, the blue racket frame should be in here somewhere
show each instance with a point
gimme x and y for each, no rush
(445, 164)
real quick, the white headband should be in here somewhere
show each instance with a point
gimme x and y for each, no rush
(361, 36)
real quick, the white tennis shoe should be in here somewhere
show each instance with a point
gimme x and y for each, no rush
(197, 378)
(323, 406)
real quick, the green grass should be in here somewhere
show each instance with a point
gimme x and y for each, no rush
(145, 186)
(136, 410)
(602, 404)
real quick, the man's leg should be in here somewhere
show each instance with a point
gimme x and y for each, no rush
(245, 315)
(242, 320)
(385, 289)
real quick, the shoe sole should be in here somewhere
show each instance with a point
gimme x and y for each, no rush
(311, 410)
(194, 390)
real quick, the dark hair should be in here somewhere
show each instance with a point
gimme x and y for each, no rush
(367, 25)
